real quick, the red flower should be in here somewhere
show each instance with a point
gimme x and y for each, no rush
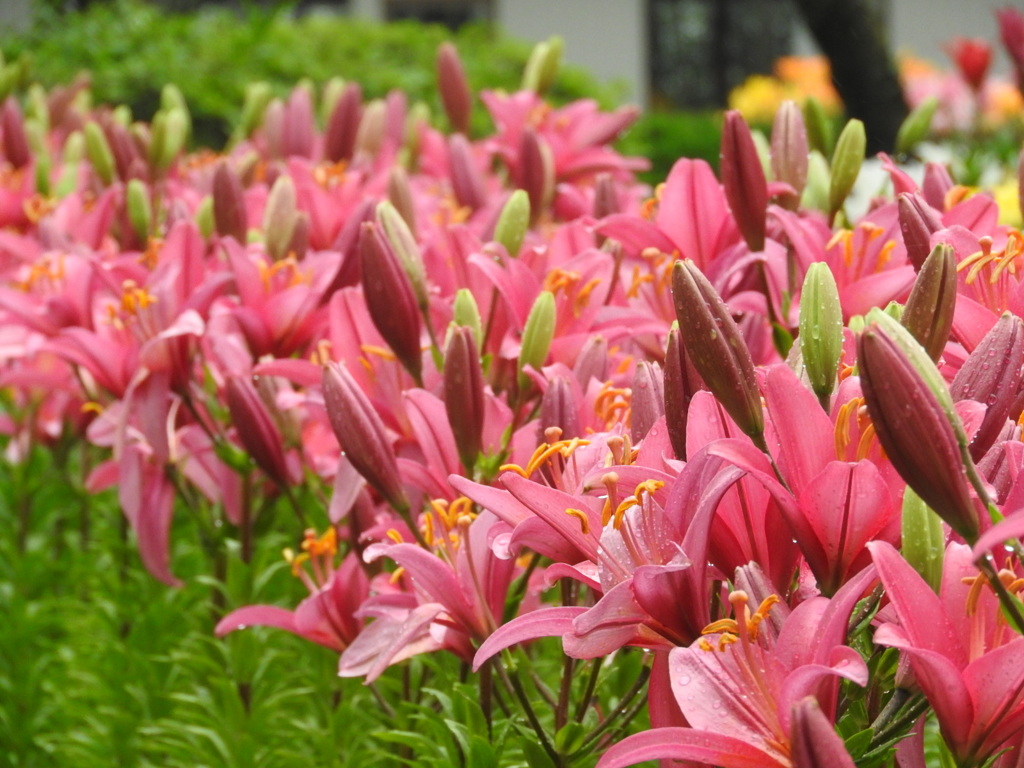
(972, 57)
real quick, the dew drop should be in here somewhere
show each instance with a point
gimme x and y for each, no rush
(685, 680)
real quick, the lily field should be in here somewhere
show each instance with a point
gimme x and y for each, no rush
(376, 438)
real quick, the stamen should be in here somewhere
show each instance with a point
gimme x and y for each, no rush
(580, 515)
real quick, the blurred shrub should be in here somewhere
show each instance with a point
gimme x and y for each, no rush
(132, 49)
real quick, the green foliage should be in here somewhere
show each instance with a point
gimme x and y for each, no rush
(133, 49)
(664, 137)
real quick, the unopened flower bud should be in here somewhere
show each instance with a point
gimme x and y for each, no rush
(204, 217)
(390, 298)
(466, 313)
(916, 423)
(372, 124)
(915, 126)
(592, 361)
(790, 150)
(298, 130)
(821, 328)
(606, 197)
(819, 127)
(256, 429)
(140, 209)
(743, 180)
(343, 124)
(647, 401)
(169, 134)
(229, 212)
(467, 183)
(330, 94)
(813, 739)
(918, 221)
(537, 172)
(992, 375)
(279, 217)
(559, 407)
(542, 66)
(454, 88)
(928, 313)
(924, 541)
(537, 335)
(715, 345)
(937, 182)
(15, 142)
(257, 98)
(681, 383)
(362, 436)
(401, 197)
(98, 151)
(403, 244)
(464, 394)
(513, 222)
(846, 163)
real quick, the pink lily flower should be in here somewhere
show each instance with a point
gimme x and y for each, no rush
(743, 686)
(968, 662)
(328, 616)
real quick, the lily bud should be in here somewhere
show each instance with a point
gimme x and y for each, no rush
(372, 126)
(542, 66)
(467, 184)
(257, 98)
(924, 541)
(915, 421)
(403, 244)
(681, 382)
(813, 739)
(343, 124)
(819, 127)
(400, 196)
(256, 429)
(390, 298)
(1020, 184)
(15, 142)
(918, 222)
(559, 408)
(513, 222)
(204, 217)
(538, 172)
(647, 402)
(821, 328)
(412, 133)
(229, 213)
(606, 197)
(330, 94)
(466, 313)
(98, 151)
(743, 180)
(937, 182)
(846, 163)
(464, 394)
(592, 361)
(715, 345)
(279, 217)
(790, 150)
(992, 375)
(362, 436)
(815, 194)
(169, 134)
(298, 132)
(928, 313)
(914, 128)
(454, 88)
(140, 209)
(537, 335)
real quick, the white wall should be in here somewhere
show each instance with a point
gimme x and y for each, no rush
(923, 27)
(607, 37)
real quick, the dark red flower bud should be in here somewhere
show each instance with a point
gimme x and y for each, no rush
(743, 179)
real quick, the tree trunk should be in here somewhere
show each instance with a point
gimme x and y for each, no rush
(851, 34)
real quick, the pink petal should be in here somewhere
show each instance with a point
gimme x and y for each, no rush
(688, 744)
(544, 622)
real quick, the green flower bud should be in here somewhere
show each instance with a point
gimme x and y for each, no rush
(846, 163)
(915, 127)
(279, 217)
(466, 313)
(513, 222)
(821, 328)
(815, 194)
(98, 151)
(204, 217)
(537, 335)
(169, 134)
(819, 127)
(329, 96)
(140, 209)
(542, 66)
(257, 97)
(404, 244)
(928, 314)
(924, 541)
